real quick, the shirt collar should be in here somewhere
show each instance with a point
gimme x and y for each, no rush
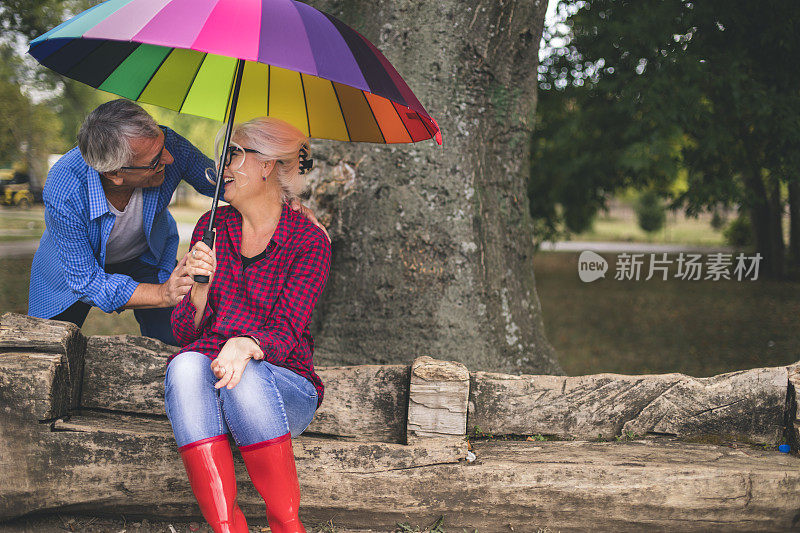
(98, 205)
(283, 229)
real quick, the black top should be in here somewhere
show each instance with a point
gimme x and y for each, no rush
(247, 261)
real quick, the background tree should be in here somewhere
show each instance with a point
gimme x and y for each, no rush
(433, 245)
(653, 86)
(649, 212)
(23, 21)
(29, 131)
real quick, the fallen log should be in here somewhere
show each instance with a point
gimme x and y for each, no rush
(110, 463)
(388, 443)
(747, 406)
(437, 399)
(792, 420)
(37, 335)
(34, 386)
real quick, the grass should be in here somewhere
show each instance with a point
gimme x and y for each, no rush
(677, 230)
(190, 214)
(20, 238)
(700, 328)
(21, 225)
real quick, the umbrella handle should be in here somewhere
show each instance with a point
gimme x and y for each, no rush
(208, 240)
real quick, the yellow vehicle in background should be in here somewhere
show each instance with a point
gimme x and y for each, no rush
(15, 189)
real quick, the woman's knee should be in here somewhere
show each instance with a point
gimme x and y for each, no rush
(186, 369)
(186, 377)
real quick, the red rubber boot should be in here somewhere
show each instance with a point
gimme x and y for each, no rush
(209, 465)
(271, 467)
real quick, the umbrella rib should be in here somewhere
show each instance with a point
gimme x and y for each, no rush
(189, 87)
(269, 80)
(153, 75)
(366, 101)
(305, 103)
(344, 119)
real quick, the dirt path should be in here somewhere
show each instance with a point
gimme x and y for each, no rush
(60, 523)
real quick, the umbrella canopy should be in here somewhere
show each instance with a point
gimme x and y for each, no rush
(300, 65)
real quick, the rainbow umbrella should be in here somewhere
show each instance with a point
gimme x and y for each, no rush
(232, 60)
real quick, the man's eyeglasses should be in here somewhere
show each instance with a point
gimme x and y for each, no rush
(155, 164)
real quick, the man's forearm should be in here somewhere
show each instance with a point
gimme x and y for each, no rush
(146, 295)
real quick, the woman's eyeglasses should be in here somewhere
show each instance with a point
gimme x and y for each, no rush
(233, 160)
(157, 161)
(234, 151)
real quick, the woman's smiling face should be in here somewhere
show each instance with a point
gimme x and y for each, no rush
(244, 174)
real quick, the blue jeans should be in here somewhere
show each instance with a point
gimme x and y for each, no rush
(269, 401)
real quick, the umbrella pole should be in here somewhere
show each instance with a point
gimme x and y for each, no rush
(209, 234)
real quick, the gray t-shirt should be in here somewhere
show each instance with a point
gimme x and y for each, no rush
(127, 238)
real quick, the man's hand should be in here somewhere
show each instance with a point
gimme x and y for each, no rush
(175, 288)
(309, 214)
(229, 365)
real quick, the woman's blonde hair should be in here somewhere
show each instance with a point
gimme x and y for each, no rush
(276, 139)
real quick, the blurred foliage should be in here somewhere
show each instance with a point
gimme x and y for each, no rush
(28, 131)
(739, 232)
(650, 212)
(22, 21)
(698, 101)
(718, 220)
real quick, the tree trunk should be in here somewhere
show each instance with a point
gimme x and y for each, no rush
(794, 226)
(765, 212)
(433, 245)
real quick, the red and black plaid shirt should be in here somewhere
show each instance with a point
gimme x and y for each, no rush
(271, 300)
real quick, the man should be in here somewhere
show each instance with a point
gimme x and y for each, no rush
(110, 241)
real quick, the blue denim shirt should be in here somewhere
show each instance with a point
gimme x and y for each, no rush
(68, 265)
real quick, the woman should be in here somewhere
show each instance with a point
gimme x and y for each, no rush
(246, 362)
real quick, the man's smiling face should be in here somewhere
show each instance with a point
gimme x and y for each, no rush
(147, 152)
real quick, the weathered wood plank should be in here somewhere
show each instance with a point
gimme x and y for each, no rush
(34, 386)
(363, 402)
(746, 405)
(656, 483)
(125, 373)
(437, 401)
(89, 421)
(335, 455)
(24, 333)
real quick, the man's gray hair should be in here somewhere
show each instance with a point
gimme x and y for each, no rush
(105, 134)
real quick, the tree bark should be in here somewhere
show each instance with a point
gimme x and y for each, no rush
(433, 245)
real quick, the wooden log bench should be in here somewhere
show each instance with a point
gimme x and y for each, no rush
(82, 429)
